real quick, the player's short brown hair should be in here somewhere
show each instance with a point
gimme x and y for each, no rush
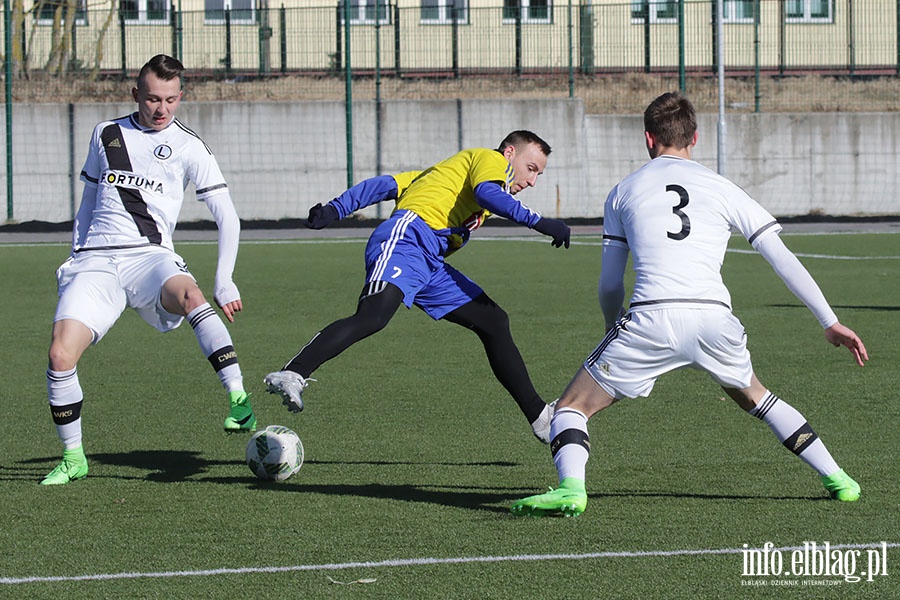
(163, 66)
(521, 137)
(672, 120)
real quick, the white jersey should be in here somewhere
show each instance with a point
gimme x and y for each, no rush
(676, 216)
(140, 176)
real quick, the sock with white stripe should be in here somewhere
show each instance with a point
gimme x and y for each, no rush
(792, 430)
(569, 443)
(215, 342)
(65, 396)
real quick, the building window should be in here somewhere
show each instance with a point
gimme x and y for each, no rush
(809, 11)
(365, 12)
(739, 11)
(659, 11)
(445, 11)
(145, 11)
(239, 11)
(47, 11)
(529, 11)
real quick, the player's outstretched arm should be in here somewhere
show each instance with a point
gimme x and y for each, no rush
(226, 294)
(840, 335)
(365, 193)
(321, 216)
(491, 196)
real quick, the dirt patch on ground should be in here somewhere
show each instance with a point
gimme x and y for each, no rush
(607, 94)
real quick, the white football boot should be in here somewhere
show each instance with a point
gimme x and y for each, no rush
(541, 425)
(289, 386)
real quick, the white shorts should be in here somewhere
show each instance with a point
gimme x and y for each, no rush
(646, 344)
(96, 286)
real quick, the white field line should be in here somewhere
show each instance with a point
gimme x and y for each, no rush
(407, 562)
(510, 238)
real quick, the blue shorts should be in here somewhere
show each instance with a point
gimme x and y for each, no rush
(405, 251)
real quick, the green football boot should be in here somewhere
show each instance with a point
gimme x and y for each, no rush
(73, 466)
(841, 487)
(569, 500)
(241, 417)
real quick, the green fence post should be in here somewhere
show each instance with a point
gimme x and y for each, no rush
(646, 9)
(756, 18)
(518, 40)
(265, 34)
(378, 166)
(173, 25)
(397, 40)
(454, 45)
(586, 38)
(73, 59)
(227, 42)
(122, 43)
(338, 63)
(179, 33)
(781, 37)
(851, 40)
(7, 86)
(73, 201)
(715, 36)
(571, 50)
(283, 38)
(682, 55)
(348, 93)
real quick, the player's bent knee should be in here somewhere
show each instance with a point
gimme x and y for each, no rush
(181, 295)
(60, 359)
(376, 310)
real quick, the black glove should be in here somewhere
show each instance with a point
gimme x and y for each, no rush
(556, 229)
(321, 216)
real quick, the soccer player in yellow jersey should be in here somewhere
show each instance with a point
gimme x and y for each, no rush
(436, 210)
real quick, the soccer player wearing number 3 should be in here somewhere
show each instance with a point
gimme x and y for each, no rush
(436, 211)
(134, 177)
(676, 216)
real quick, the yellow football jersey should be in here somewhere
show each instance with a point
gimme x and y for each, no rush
(444, 195)
(404, 179)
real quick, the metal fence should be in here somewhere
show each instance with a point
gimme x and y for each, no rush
(773, 50)
(777, 56)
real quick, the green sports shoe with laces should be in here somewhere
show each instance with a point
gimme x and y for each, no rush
(841, 487)
(569, 500)
(73, 466)
(241, 417)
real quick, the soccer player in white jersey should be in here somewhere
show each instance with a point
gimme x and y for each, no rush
(136, 171)
(675, 217)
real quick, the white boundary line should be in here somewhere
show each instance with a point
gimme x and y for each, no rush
(533, 239)
(406, 562)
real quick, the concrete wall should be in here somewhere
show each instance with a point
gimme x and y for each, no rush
(281, 158)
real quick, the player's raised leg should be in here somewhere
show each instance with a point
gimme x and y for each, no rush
(491, 324)
(180, 295)
(377, 305)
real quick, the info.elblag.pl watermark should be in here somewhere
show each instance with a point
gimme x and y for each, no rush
(813, 564)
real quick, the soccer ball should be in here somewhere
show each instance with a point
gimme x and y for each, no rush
(275, 453)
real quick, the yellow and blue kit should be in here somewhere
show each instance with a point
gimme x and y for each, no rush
(435, 212)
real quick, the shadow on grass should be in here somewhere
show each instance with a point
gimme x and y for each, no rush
(170, 466)
(483, 499)
(178, 465)
(163, 465)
